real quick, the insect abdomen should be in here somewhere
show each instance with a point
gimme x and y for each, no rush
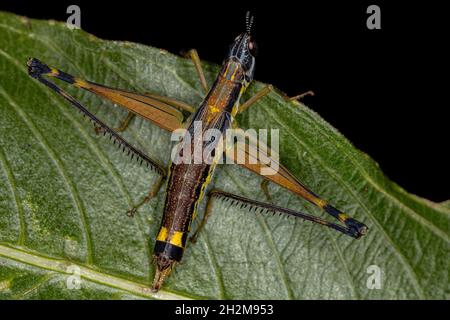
(184, 190)
(170, 243)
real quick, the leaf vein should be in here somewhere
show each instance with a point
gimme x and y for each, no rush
(13, 186)
(408, 267)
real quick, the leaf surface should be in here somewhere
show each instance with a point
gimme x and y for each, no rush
(64, 192)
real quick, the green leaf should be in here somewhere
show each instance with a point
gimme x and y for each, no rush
(446, 203)
(64, 192)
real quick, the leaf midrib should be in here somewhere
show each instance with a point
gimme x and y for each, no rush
(60, 266)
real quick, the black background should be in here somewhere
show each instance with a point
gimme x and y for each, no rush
(383, 89)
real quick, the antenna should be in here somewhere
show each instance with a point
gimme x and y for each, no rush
(248, 22)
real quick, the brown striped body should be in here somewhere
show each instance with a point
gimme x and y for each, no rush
(187, 181)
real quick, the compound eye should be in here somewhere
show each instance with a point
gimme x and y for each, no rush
(252, 47)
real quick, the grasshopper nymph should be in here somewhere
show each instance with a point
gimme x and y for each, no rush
(186, 182)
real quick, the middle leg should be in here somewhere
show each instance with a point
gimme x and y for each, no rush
(208, 211)
(153, 192)
(193, 54)
(265, 91)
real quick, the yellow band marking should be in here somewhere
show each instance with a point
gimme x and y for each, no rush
(320, 203)
(226, 70)
(174, 237)
(54, 71)
(80, 83)
(234, 74)
(162, 235)
(235, 109)
(213, 109)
